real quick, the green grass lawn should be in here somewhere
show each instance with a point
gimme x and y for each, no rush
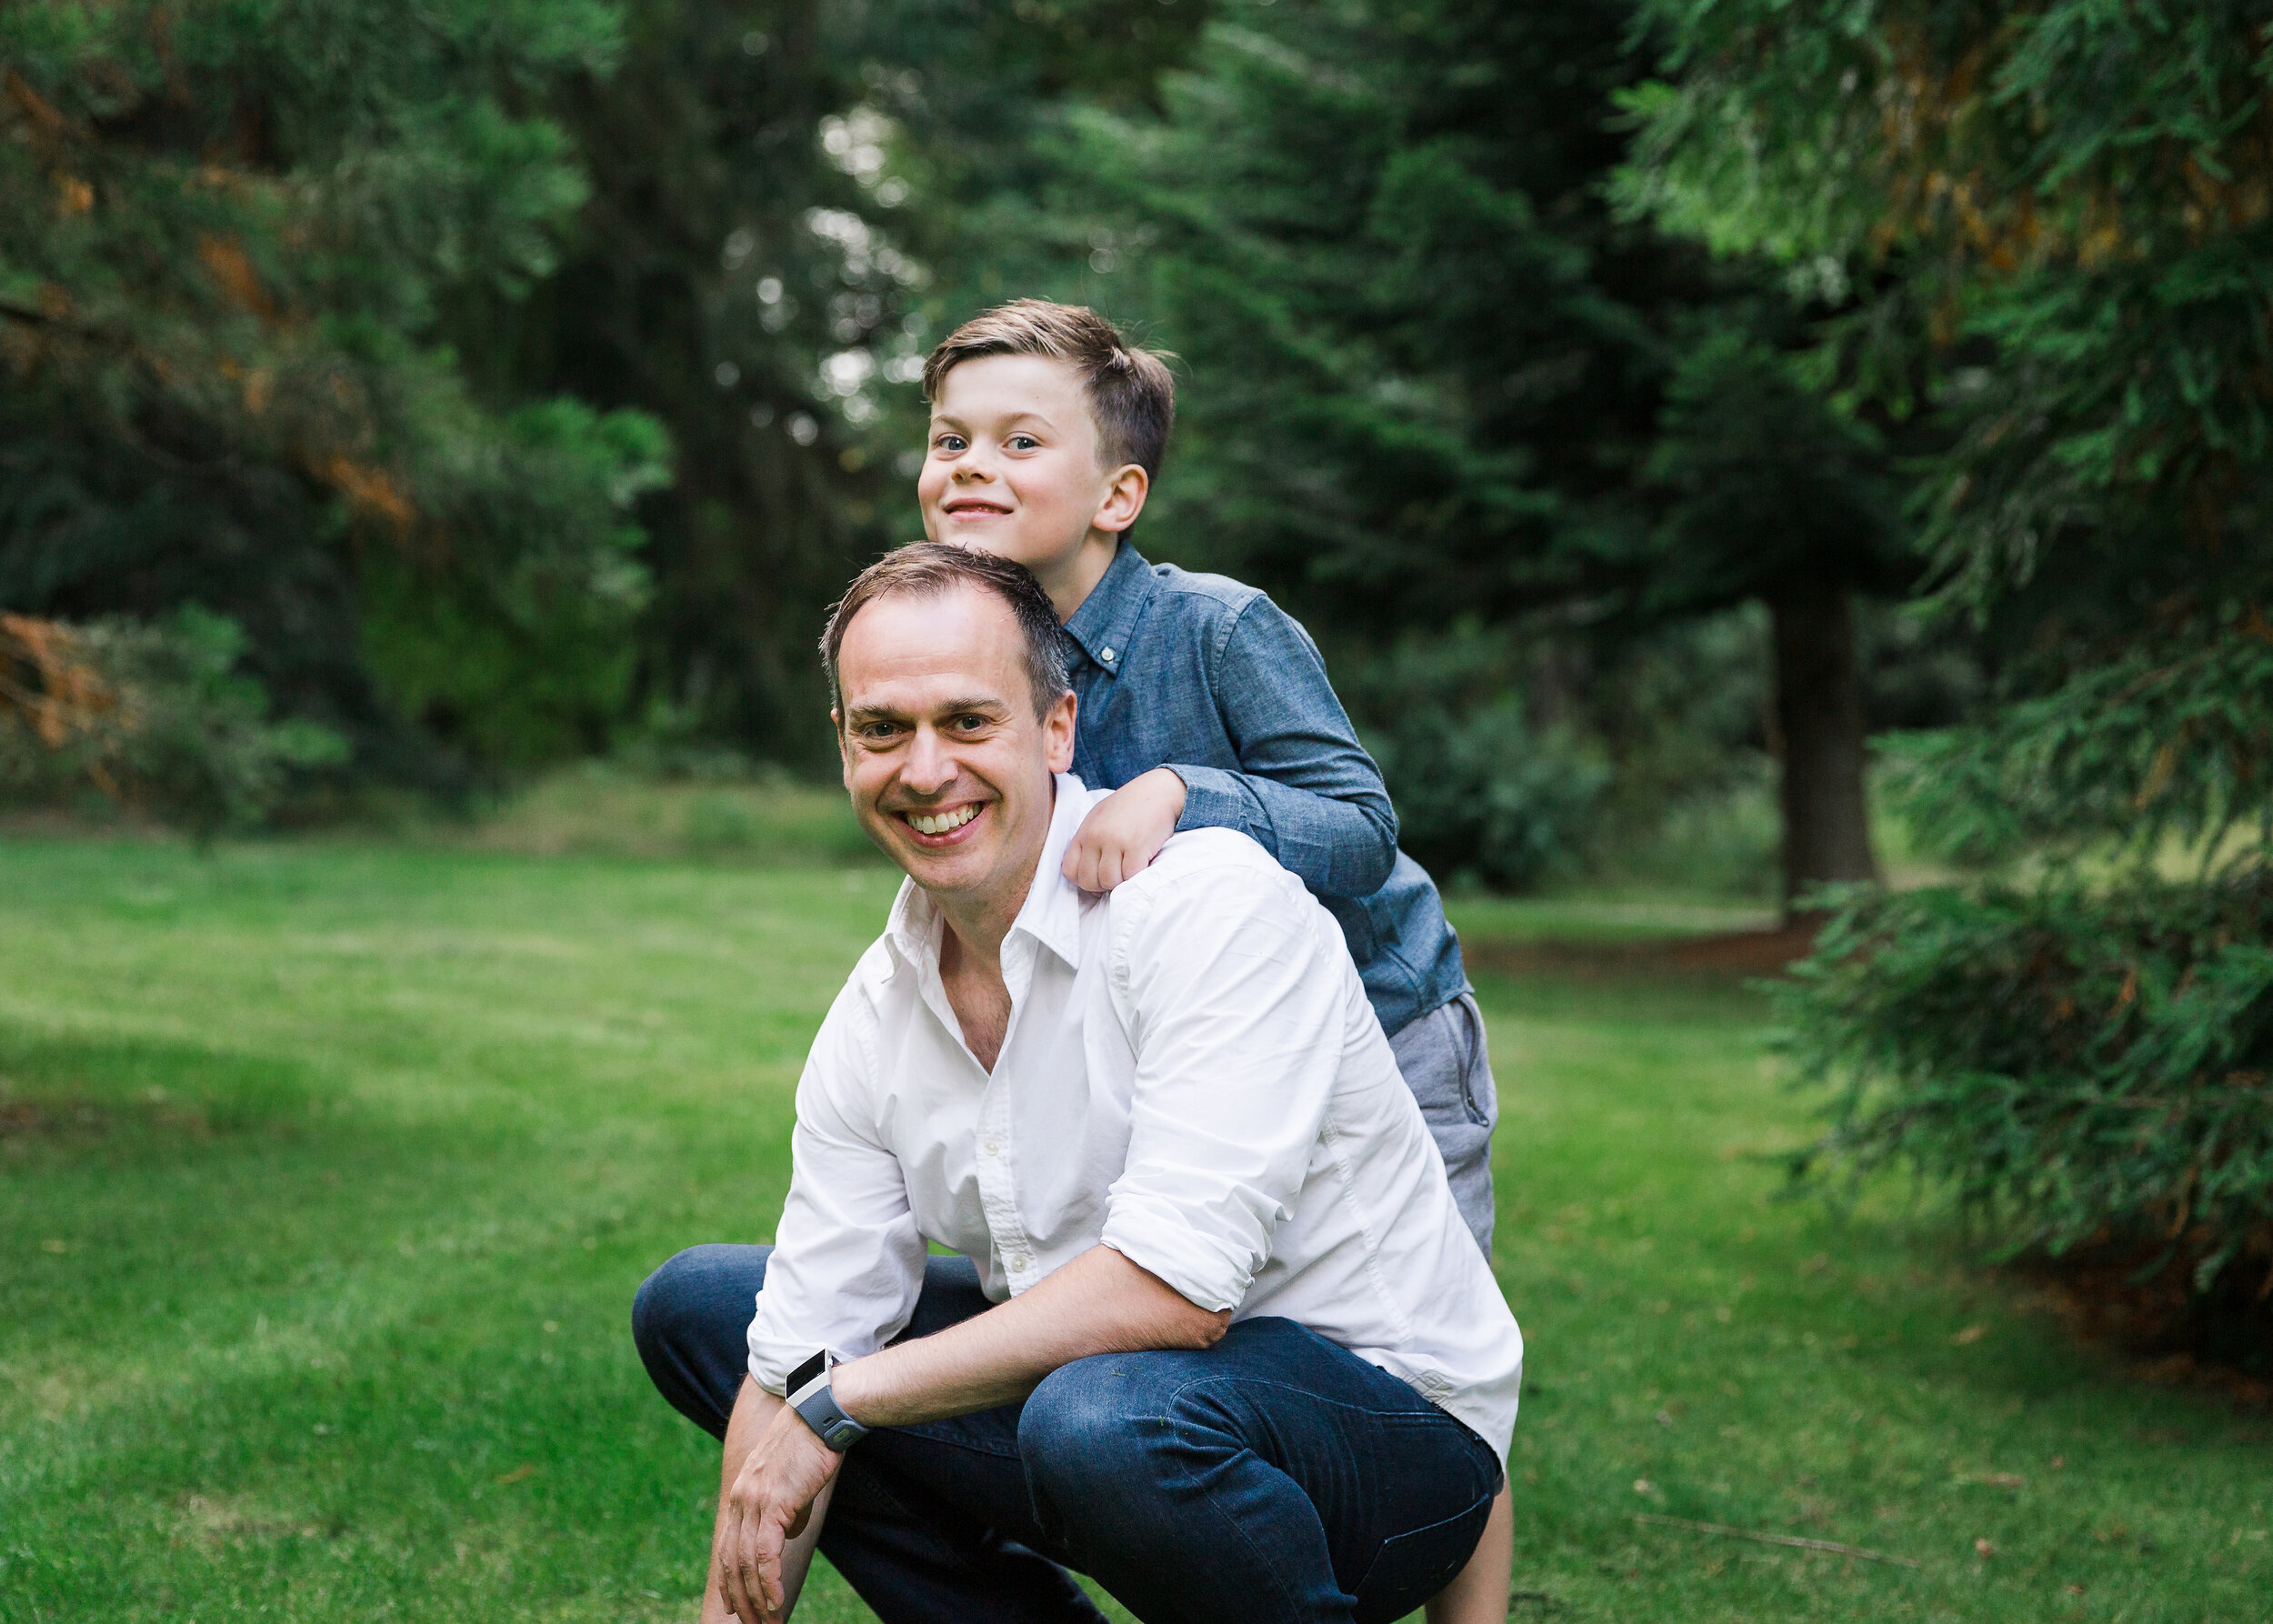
(326, 1175)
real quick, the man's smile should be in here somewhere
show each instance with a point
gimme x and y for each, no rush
(941, 826)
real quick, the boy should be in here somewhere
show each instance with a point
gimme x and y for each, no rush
(1202, 703)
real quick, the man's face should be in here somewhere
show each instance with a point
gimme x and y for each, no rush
(1014, 466)
(947, 765)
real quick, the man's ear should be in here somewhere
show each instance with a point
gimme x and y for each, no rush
(1124, 499)
(844, 750)
(1057, 732)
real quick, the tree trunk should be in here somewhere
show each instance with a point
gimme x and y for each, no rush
(1819, 714)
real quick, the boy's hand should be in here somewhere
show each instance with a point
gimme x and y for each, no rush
(1125, 831)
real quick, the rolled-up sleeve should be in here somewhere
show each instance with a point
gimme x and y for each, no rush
(1235, 1008)
(847, 1259)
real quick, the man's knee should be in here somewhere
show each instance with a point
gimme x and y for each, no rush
(1093, 1434)
(1080, 1411)
(684, 1297)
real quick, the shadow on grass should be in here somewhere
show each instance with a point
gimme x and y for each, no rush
(71, 1090)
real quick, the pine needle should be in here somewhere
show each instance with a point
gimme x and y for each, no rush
(1833, 1546)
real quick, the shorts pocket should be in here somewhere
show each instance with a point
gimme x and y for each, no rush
(1479, 1099)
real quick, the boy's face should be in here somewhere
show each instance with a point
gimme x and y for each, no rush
(1015, 468)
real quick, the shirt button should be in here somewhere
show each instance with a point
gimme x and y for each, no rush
(994, 1146)
(1105, 655)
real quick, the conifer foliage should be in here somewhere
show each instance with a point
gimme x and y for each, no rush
(226, 234)
(1439, 383)
(2051, 228)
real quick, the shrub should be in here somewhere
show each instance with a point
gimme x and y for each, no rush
(154, 716)
(1483, 797)
(2085, 1070)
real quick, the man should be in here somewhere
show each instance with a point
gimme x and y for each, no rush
(1215, 1334)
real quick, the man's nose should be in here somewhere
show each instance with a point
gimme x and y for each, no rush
(929, 765)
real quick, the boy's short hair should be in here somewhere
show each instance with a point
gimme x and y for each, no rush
(1132, 395)
(929, 568)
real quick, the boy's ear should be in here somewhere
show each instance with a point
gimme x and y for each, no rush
(1124, 499)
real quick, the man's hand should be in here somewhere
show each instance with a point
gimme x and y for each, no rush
(1125, 831)
(764, 1508)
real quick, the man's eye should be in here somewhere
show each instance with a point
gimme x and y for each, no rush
(971, 723)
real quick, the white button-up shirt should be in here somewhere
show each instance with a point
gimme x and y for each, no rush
(1191, 1075)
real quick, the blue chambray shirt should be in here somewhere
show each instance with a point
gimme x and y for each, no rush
(1209, 677)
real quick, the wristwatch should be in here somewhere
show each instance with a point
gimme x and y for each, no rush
(810, 1397)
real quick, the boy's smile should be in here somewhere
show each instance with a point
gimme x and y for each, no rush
(1015, 468)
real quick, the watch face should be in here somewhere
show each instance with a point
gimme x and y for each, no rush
(798, 1378)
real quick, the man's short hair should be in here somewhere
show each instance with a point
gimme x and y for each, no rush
(931, 568)
(1131, 393)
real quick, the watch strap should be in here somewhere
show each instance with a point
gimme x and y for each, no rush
(809, 1396)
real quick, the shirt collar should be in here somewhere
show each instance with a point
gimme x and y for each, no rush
(1106, 621)
(1051, 913)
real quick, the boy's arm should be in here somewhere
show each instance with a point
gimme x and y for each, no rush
(1305, 790)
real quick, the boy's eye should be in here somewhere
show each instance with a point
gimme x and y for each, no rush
(948, 443)
(1023, 443)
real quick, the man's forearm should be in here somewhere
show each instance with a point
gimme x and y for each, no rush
(755, 1410)
(1098, 1303)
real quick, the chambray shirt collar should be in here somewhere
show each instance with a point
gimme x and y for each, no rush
(1106, 624)
(1051, 914)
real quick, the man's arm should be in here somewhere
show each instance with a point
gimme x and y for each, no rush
(762, 1544)
(1098, 1303)
(846, 1268)
(776, 1467)
(1306, 791)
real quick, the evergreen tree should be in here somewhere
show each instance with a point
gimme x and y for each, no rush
(227, 236)
(1435, 378)
(2053, 231)
(778, 192)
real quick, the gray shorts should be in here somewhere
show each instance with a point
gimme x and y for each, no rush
(1449, 1066)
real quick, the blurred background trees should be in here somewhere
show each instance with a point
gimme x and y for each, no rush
(1439, 386)
(2050, 234)
(228, 238)
(523, 383)
(1648, 404)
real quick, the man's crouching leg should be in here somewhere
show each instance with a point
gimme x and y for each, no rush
(689, 1323)
(926, 1522)
(1274, 1476)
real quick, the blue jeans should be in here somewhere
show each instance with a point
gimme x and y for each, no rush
(1273, 1476)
